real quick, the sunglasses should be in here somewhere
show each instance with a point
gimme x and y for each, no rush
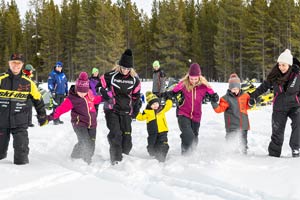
(125, 68)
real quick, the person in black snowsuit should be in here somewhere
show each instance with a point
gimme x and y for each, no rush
(120, 88)
(284, 79)
(17, 91)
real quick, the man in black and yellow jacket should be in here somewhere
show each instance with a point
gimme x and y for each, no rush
(16, 90)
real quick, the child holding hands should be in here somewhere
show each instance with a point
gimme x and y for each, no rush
(154, 114)
(234, 104)
(81, 102)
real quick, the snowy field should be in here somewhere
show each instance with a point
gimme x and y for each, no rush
(213, 172)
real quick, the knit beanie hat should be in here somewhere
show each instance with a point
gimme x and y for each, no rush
(151, 98)
(126, 59)
(94, 70)
(82, 82)
(29, 67)
(156, 64)
(194, 70)
(286, 57)
(234, 81)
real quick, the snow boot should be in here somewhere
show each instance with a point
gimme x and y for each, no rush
(295, 153)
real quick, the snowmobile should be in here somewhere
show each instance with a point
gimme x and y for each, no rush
(248, 86)
(264, 99)
(47, 98)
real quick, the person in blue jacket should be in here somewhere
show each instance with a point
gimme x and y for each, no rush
(58, 86)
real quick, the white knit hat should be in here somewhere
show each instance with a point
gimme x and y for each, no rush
(286, 57)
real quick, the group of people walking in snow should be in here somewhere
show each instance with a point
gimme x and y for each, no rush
(120, 90)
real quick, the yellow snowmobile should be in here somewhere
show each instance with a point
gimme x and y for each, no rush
(262, 100)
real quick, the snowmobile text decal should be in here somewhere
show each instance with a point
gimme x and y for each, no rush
(8, 94)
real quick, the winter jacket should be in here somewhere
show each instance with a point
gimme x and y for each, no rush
(125, 91)
(286, 95)
(235, 110)
(83, 112)
(192, 104)
(159, 81)
(93, 84)
(57, 82)
(156, 121)
(16, 91)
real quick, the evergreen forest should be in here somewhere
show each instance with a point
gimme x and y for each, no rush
(223, 36)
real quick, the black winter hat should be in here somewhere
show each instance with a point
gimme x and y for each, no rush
(151, 98)
(126, 59)
(17, 56)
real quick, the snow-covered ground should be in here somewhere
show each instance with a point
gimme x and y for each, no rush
(213, 172)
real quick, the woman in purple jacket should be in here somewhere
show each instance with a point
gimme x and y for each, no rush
(193, 88)
(94, 80)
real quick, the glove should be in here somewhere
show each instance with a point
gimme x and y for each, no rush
(50, 117)
(104, 94)
(53, 95)
(251, 102)
(42, 119)
(169, 95)
(136, 108)
(214, 97)
(295, 68)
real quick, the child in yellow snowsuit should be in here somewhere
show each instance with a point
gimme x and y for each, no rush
(157, 128)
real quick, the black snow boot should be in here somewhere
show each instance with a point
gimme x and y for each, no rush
(295, 153)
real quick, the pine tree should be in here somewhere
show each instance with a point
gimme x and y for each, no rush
(86, 45)
(69, 29)
(207, 25)
(109, 35)
(51, 48)
(171, 38)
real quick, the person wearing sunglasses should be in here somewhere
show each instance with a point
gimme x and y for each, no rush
(120, 88)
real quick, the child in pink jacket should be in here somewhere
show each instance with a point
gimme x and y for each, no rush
(193, 88)
(81, 102)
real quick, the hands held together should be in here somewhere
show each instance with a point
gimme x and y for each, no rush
(214, 98)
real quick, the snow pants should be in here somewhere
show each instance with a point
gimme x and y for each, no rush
(189, 134)
(119, 136)
(85, 146)
(279, 120)
(158, 146)
(29, 112)
(239, 136)
(59, 98)
(20, 144)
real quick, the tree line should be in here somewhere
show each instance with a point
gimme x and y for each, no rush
(223, 36)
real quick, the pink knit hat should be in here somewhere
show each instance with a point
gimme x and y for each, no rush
(194, 70)
(82, 82)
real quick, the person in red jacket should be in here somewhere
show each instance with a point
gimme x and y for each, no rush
(234, 104)
(81, 102)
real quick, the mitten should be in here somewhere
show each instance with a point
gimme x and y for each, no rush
(50, 117)
(42, 119)
(251, 102)
(169, 95)
(104, 94)
(214, 97)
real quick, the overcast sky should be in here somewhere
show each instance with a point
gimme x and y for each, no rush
(141, 4)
